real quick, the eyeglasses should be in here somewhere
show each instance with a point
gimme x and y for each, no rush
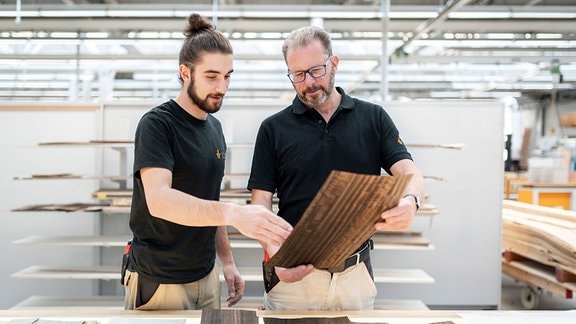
(317, 71)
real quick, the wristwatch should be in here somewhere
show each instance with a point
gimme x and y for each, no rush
(416, 199)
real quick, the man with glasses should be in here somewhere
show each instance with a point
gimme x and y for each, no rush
(325, 129)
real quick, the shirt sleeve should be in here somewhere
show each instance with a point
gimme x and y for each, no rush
(263, 171)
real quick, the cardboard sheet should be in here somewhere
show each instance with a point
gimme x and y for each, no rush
(339, 219)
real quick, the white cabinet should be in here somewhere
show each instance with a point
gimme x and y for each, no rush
(467, 232)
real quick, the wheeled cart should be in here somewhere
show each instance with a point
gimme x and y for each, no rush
(538, 278)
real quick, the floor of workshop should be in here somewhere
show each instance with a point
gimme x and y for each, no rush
(511, 300)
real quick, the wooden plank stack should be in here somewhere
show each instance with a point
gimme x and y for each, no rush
(537, 240)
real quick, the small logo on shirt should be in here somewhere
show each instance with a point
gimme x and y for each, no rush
(399, 140)
(218, 154)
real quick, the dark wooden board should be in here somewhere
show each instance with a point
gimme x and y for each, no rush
(339, 219)
(228, 316)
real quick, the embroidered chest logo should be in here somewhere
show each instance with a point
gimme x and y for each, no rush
(400, 141)
(218, 154)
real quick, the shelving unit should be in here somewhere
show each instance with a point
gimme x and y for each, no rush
(252, 275)
(469, 217)
(109, 239)
(109, 244)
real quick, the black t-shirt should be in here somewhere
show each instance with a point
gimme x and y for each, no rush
(195, 151)
(296, 150)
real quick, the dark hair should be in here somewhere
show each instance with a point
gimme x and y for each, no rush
(201, 37)
(304, 36)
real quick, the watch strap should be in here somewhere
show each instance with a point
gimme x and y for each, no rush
(416, 199)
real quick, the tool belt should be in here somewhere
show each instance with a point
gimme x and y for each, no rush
(361, 255)
(125, 261)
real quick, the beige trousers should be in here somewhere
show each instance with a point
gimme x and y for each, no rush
(204, 293)
(352, 289)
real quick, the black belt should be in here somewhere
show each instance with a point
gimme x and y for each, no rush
(362, 254)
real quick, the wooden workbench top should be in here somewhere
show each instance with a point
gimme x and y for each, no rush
(550, 184)
(391, 317)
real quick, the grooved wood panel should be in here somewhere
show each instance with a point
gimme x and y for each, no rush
(228, 316)
(339, 219)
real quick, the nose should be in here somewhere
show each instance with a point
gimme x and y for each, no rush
(309, 79)
(222, 85)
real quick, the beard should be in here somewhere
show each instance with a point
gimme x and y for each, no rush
(317, 100)
(204, 104)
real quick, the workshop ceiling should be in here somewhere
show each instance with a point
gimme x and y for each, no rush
(110, 50)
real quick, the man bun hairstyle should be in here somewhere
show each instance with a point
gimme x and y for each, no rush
(201, 36)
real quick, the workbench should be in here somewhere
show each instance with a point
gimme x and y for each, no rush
(391, 317)
(549, 194)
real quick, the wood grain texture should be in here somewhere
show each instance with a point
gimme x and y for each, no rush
(339, 219)
(543, 234)
(228, 316)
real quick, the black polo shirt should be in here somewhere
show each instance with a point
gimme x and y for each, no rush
(194, 151)
(296, 150)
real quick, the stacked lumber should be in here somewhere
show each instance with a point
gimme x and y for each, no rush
(542, 237)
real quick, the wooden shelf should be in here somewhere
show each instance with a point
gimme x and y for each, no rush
(403, 276)
(104, 241)
(69, 272)
(250, 274)
(408, 242)
(117, 302)
(69, 176)
(67, 302)
(381, 242)
(116, 209)
(401, 240)
(112, 144)
(406, 276)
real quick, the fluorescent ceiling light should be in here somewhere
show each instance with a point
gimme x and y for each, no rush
(474, 94)
(36, 84)
(478, 15)
(543, 15)
(140, 13)
(527, 86)
(96, 35)
(64, 34)
(500, 36)
(71, 13)
(345, 14)
(412, 15)
(21, 13)
(308, 13)
(511, 15)
(549, 36)
(22, 34)
(273, 14)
